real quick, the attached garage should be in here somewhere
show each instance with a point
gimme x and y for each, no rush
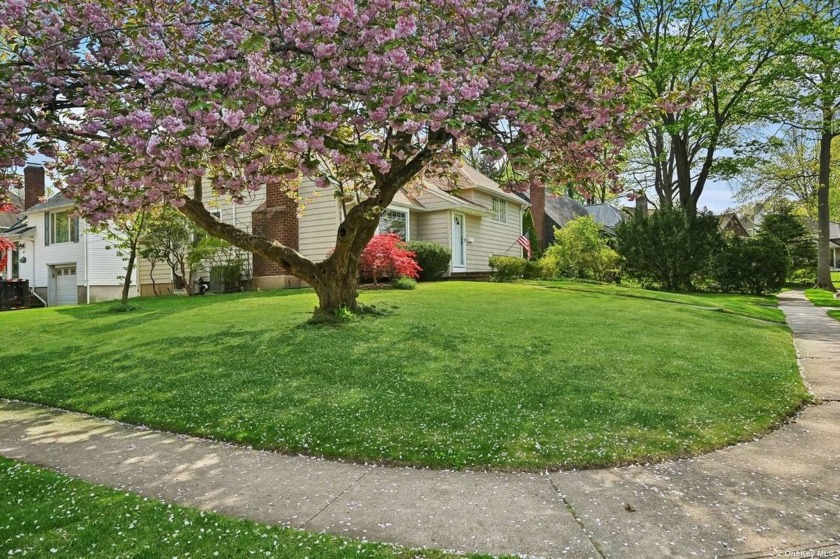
(64, 278)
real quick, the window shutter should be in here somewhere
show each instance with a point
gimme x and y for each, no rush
(74, 229)
(46, 229)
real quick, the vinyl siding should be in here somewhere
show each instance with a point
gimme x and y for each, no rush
(435, 227)
(319, 224)
(26, 269)
(238, 215)
(103, 270)
(433, 202)
(414, 226)
(106, 265)
(162, 273)
(492, 237)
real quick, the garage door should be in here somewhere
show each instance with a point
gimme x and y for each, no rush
(65, 286)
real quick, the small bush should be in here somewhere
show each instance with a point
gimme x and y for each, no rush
(507, 268)
(385, 256)
(803, 276)
(580, 251)
(759, 265)
(432, 258)
(404, 283)
(532, 270)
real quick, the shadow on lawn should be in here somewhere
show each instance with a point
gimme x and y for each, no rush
(100, 319)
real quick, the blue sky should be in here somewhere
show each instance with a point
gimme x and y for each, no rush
(717, 196)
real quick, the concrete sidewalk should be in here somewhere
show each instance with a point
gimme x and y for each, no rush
(779, 496)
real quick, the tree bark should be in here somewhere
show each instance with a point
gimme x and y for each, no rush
(129, 270)
(823, 248)
(134, 239)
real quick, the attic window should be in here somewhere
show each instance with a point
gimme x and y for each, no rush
(499, 210)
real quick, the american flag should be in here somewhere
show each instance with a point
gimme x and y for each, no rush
(525, 243)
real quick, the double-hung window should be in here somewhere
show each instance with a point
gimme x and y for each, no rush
(499, 210)
(394, 221)
(61, 227)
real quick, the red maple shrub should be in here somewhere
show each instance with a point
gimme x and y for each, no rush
(385, 256)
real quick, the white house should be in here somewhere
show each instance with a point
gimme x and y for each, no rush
(65, 262)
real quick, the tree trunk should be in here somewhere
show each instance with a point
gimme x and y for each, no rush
(336, 290)
(129, 270)
(682, 164)
(823, 248)
(152, 277)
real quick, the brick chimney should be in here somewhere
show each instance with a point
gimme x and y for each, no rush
(33, 185)
(276, 219)
(537, 194)
(641, 204)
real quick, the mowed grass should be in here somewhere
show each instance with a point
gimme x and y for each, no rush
(455, 375)
(822, 298)
(751, 306)
(45, 514)
(834, 314)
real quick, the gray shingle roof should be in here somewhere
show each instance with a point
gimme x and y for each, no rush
(55, 202)
(605, 214)
(833, 228)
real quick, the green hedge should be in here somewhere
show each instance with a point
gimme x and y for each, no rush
(433, 259)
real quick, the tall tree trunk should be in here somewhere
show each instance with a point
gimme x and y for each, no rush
(682, 164)
(823, 248)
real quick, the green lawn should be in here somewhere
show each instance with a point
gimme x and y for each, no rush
(822, 298)
(45, 514)
(456, 375)
(834, 314)
(763, 308)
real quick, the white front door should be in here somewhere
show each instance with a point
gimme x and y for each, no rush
(65, 286)
(459, 243)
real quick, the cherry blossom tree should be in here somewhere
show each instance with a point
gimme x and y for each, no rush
(139, 102)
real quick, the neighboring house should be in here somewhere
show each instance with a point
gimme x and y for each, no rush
(834, 244)
(607, 215)
(731, 223)
(750, 225)
(9, 218)
(833, 240)
(63, 260)
(558, 211)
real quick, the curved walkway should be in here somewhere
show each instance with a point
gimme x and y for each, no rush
(779, 496)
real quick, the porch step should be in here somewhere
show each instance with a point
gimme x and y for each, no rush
(469, 276)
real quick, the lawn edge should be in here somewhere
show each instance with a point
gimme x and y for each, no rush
(786, 419)
(444, 553)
